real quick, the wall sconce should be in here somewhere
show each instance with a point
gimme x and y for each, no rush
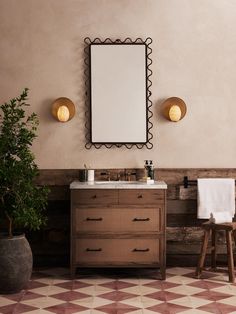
(174, 109)
(63, 109)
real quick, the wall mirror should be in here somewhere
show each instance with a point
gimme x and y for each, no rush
(118, 83)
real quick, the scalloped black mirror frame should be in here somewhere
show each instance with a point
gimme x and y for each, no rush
(148, 144)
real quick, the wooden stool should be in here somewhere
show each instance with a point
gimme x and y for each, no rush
(210, 230)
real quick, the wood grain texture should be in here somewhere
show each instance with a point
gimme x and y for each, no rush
(130, 251)
(94, 197)
(141, 197)
(189, 193)
(118, 219)
(124, 227)
(175, 176)
(182, 207)
(59, 193)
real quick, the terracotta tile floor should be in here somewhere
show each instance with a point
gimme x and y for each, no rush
(123, 291)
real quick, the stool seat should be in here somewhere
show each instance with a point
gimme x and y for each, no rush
(210, 230)
(223, 226)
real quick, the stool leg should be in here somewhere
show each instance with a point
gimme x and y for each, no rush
(213, 252)
(202, 253)
(230, 255)
(234, 235)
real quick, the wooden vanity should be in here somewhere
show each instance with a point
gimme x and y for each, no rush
(118, 224)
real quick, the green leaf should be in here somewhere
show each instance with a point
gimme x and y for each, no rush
(21, 199)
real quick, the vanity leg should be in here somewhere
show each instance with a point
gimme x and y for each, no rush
(163, 273)
(72, 271)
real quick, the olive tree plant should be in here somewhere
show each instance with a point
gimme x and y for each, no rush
(22, 201)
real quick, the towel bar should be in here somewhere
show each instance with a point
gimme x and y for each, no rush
(188, 182)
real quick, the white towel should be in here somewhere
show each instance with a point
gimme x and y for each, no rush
(221, 217)
(216, 199)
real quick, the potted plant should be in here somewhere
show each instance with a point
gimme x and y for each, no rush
(22, 202)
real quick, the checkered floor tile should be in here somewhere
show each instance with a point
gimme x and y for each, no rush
(123, 291)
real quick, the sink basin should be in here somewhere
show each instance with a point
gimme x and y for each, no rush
(116, 182)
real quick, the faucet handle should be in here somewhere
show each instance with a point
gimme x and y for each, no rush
(106, 173)
(130, 174)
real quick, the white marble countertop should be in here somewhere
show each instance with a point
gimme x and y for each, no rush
(118, 185)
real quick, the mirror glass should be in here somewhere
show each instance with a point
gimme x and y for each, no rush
(118, 93)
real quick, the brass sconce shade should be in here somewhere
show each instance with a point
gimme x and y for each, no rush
(174, 109)
(63, 109)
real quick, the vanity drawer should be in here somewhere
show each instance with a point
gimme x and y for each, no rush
(118, 219)
(131, 251)
(142, 197)
(94, 197)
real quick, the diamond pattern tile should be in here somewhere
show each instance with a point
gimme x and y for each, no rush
(168, 308)
(42, 302)
(117, 285)
(164, 296)
(212, 295)
(94, 292)
(67, 308)
(16, 308)
(72, 284)
(117, 295)
(70, 296)
(117, 308)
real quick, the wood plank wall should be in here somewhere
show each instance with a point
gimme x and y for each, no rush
(51, 245)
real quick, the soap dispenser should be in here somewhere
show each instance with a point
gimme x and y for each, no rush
(149, 169)
(146, 170)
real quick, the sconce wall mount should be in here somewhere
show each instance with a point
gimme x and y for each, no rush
(63, 109)
(174, 109)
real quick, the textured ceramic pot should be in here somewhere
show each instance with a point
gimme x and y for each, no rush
(15, 264)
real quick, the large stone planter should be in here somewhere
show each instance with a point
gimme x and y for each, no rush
(15, 264)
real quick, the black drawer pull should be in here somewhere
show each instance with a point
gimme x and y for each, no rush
(141, 250)
(93, 250)
(140, 196)
(141, 219)
(94, 219)
(94, 196)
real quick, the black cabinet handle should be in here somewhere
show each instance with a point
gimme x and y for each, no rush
(141, 219)
(94, 196)
(93, 250)
(94, 219)
(140, 196)
(141, 250)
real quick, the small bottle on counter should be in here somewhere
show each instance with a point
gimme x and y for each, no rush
(146, 169)
(149, 170)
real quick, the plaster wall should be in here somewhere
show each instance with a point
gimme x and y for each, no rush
(194, 57)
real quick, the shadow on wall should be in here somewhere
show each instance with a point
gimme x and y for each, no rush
(157, 110)
(45, 111)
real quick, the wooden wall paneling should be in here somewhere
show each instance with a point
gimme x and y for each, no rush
(59, 193)
(57, 177)
(184, 234)
(173, 192)
(189, 193)
(175, 176)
